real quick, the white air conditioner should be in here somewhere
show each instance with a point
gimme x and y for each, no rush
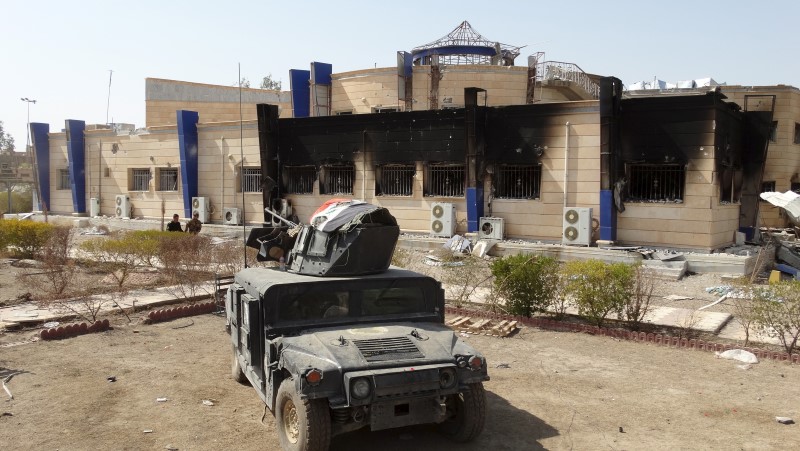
(443, 219)
(577, 226)
(231, 216)
(283, 207)
(122, 206)
(490, 228)
(201, 205)
(94, 207)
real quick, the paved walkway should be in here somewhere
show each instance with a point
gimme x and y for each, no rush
(721, 324)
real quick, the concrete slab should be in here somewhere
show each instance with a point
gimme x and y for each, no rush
(670, 270)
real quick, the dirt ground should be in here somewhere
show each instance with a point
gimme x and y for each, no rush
(549, 390)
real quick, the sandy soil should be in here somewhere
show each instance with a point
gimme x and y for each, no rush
(549, 390)
(558, 391)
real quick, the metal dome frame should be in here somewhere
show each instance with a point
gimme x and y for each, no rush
(464, 45)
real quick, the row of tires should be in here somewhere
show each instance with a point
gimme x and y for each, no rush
(179, 312)
(73, 330)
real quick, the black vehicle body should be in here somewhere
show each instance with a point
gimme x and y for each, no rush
(331, 334)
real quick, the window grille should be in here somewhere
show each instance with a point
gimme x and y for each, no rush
(396, 180)
(446, 180)
(168, 180)
(655, 182)
(338, 180)
(141, 180)
(773, 132)
(251, 180)
(63, 179)
(299, 179)
(518, 182)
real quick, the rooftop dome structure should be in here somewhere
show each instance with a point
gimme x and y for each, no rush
(464, 45)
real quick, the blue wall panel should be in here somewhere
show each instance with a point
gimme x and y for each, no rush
(301, 93)
(322, 73)
(474, 208)
(608, 216)
(187, 146)
(77, 163)
(40, 133)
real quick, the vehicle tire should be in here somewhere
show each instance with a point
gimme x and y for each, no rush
(236, 370)
(303, 424)
(468, 414)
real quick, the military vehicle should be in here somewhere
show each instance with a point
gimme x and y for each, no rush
(331, 345)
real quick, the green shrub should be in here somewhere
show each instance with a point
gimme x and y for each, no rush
(118, 255)
(527, 283)
(776, 312)
(23, 238)
(599, 288)
(149, 245)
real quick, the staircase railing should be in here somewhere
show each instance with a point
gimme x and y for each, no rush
(557, 70)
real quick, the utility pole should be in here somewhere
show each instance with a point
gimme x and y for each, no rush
(108, 101)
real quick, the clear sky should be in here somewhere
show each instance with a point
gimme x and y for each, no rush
(60, 53)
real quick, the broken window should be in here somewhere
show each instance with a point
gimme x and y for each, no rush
(379, 109)
(337, 179)
(767, 187)
(63, 179)
(796, 133)
(395, 180)
(773, 132)
(299, 179)
(140, 180)
(514, 181)
(167, 179)
(796, 187)
(344, 113)
(250, 180)
(444, 180)
(655, 182)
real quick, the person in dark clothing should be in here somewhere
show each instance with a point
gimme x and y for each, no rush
(194, 225)
(175, 224)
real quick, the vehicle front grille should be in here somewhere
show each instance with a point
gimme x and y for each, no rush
(382, 349)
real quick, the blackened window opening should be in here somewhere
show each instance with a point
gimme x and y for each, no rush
(655, 182)
(445, 180)
(396, 180)
(518, 182)
(767, 187)
(338, 180)
(299, 179)
(251, 180)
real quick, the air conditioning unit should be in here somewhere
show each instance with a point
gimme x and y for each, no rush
(577, 226)
(490, 228)
(122, 206)
(231, 216)
(201, 205)
(443, 219)
(283, 207)
(94, 207)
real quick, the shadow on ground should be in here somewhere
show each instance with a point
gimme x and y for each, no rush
(507, 428)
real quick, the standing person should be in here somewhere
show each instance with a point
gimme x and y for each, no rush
(175, 224)
(194, 225)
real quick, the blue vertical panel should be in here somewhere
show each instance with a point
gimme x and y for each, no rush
(187, 145)
(474, 208)
(407, 60)
(301, 94)
(40, 133)
(77, 163)
(608, 216)
(322, 73)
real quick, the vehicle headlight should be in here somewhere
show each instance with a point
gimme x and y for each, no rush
(314, 376)
(360, 388)
(475, 362)
(447, 378)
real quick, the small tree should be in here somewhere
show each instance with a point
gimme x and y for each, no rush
(6, 140)
(777, 313)
(58, 268)
(269, 83)
(527, 283)
(117, 256)
(742, 304)
(599, 288)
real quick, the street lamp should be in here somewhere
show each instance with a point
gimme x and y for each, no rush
(31, 154)
(28, 125)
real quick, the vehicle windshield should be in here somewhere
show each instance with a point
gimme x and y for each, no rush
(337, 302)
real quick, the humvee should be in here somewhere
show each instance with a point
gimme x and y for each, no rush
(329, 355)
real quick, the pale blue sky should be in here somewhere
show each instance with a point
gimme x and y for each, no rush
(59, 53)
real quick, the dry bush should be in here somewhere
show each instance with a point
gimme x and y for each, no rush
(401, 257)
(742, 305)
(187, 260)
(116, 256)
(644, 284)
(463, 279)
(777, 313)
(59, 269)
(687, 328)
